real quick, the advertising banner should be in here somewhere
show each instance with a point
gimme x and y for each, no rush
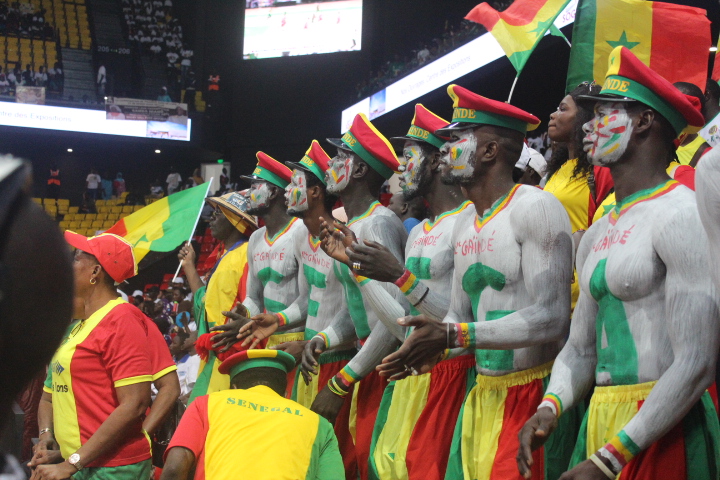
(117, 108)
(30, 95)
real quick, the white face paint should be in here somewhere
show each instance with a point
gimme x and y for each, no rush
(296, 197)
(607, 135)
(339, 172)
(410, 163)
(259, 196)
(460, 150)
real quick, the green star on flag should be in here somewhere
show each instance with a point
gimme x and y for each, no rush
(623, 42)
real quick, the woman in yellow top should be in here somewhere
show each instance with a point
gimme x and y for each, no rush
(578, 185)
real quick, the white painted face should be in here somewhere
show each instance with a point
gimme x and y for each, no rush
(339, 172)
(410, 162)
(296, 197)
(459, 153)
(607, 135)
(259, 196)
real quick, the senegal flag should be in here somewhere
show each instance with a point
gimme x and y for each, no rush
(673, 40)
(164, 224)
(519, 28)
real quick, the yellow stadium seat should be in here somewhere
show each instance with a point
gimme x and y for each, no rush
(73, 209)
(48, 201)
(38, 200)
(116, 209)
(101, 216)
(74, 225)
(86, 223)
(128, 209)
(138, 207)
(100, 203)
(64, 225)
(104, 209)
(79, 216)
(63, 201)
(107, 224)
(97, 224)
(90, 216)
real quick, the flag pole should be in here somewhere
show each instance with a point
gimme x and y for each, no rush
(192, 232)
(512, 89)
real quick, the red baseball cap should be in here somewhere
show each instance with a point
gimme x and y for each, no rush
(114, 253)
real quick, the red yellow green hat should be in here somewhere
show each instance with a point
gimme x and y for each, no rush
(423, 127)
(471, 109)
(247, 359)
(315, 161)
(629, 80)
(370, 145)
(270, 170)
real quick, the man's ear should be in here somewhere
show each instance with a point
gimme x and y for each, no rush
(275, 191)
(359, 168)
(314, 192)
(405, 207)
(435, 160)
(488, 152)
(644, 119)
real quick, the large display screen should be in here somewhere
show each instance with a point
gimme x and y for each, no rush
(285, 28)
(461, 61)
(87, 121)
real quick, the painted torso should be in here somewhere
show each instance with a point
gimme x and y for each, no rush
(488, 261)
(325, 295)
(383, 226)
(274, 264)
(429, 252)
(627, 279)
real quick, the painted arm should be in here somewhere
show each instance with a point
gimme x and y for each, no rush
(253, 300)
(387, 307)
(341, 330)
(691, 306)
(708, 200)
(543, 230)
(296, 313)
(178, 464)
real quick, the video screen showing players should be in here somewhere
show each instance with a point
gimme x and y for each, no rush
(287, 28)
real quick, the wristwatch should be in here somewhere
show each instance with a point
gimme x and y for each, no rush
(74, 460)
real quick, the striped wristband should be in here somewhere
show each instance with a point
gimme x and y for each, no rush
(465, 336)
(282, 319)
(601, 465)
(553, 402)
(334, 388)
(325, 338)
(619, 451)
(407, 282)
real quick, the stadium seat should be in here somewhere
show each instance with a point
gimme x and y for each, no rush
(49, 201)
(100, 203)
(63, 201)
(97, 224)
(103, 209)
(116, 209)
(138, 207)
(128, 209)
(101, 216)
(86, 224)
(90, 216)
(73, 209)
(108, 223)
(74, 225)
(64, 225)
(38, 201)
(79, 216)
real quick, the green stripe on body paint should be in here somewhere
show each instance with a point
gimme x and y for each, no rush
(267, 275)
(353, 297)
(315, 279)
(497, 360)
(419, 266)
(273, 306)
(582, 55)
(619, 358)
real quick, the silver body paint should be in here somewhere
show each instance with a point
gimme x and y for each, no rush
(296, 193)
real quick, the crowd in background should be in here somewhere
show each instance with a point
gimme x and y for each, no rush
(22, 18)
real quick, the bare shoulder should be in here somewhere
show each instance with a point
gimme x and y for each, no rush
(535, 209)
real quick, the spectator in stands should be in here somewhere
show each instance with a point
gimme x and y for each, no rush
(87, 205)
(4, 84)
(190, 91)
(92, 183)
(186, 62)
(101, 82)
(173, 181)
(156, 189)
(28, 76)
(41, 77)
(48, 31)
(164, 97)
(119, 185)
(59, 77)
(197, 178)
(53, 182)
(12, 79)
(423, 55)
(188, 363)
(107, 186)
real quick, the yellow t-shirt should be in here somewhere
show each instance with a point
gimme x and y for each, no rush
(685, 153)
(573, 193)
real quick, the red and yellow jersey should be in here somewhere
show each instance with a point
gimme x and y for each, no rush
(104, 352)
(259, 433)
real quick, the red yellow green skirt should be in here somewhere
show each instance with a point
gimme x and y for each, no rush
(690, 451)
(416, 420)
(330, 364)
(485, 443)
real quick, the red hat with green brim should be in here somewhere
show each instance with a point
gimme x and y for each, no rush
(630, 80)
(248, 359)
(471, 109)
(113, 253)
(423, 127)
(370, 145)
(269, 170)
(315, 161)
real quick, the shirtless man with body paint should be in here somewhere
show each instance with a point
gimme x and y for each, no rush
(365, 159)
(274, 294)
(412, 425)
(645, 328)
(509, 302)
